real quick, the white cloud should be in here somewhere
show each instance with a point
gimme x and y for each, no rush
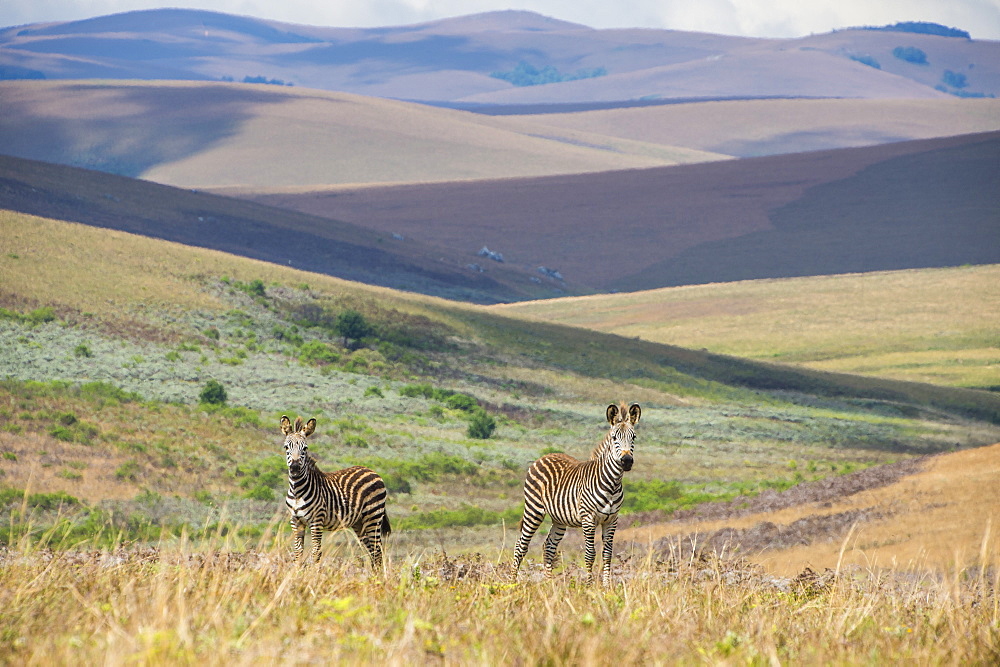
(759, 18)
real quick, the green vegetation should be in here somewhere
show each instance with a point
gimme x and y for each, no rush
(213, 393)
(525, 74)
(910, 54)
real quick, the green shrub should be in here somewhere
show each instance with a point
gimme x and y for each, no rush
(128, 471)
(41, 315)
(213, 393)
(260, 492)
(396, 483)
(461, 402)
(82, 351)
(51, 501)
(481, 425)
(352, 327)
(374, 391)
(317, 353)
(910, 54)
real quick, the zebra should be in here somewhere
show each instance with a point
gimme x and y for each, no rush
(350, 498)
(580, 494)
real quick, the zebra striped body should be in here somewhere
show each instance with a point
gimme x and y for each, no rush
(351, 498)
(580, 494)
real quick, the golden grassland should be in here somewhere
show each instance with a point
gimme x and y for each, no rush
(112, 274)
(761, 126)
(198, 134)
(184, 603)
(928, 325)
(942, 519)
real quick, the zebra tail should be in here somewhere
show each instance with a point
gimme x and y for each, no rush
(385, 527)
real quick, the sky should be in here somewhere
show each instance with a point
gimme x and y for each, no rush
(752, 18)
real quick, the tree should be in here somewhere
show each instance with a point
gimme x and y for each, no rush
(213, 393)
(481, 425)
(352, 326)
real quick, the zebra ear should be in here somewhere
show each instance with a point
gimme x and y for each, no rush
(286, 425)
(633, 412)
(612, 413)
(309, 428)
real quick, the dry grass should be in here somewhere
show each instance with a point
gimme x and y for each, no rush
(185, 603)
(933, 325)
(942, 519)
(764, 127)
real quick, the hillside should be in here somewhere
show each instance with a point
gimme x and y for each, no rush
(455, 60)
(752, 128)
(943, 321)
(252, 230)
(200, 135)
(140, 512)
(900, 205)
(939, 518)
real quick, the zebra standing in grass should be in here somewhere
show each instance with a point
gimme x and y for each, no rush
(350, 498)
(580, 494)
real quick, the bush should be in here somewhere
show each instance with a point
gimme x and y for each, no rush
(352, 326)
(317, 353)
(213, 393)
(260, 493)
(954, 79)
(461, 402)
(910, 54)
(481, 425)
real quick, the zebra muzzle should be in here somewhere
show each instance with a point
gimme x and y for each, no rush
(626, 462)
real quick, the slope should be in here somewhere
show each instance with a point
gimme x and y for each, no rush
(452, 60)
(199, 135)
(940, 517)
(751, 128)
(901, 205)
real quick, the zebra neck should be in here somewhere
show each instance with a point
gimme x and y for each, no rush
(298, 484)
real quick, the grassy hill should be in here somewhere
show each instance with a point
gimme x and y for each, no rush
(751, 128)
(942, 321)
(151, 322)
(201, 135)
(161, 514)
(901, 205)
(500, 57)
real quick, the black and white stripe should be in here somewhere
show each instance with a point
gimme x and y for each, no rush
(350, 498)
(580, 494)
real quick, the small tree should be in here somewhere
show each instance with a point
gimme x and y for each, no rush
(481, 425)
(213, 393)
(352, 326)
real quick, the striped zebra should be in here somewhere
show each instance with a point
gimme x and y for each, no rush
(350, 498)
(580, 494)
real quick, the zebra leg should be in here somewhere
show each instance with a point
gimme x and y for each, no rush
(529, 524)
(589, 550)
(316, 530)
(608, 532)
(552, 547)
(298, 537)
(371, 536)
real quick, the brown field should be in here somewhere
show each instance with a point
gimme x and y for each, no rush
(750, 128)
(943, 321)
(943, 518)
(213, 135)
(815, 213)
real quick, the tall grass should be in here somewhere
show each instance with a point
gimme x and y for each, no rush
(220, 602)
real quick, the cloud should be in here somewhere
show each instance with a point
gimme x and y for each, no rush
(756, 18)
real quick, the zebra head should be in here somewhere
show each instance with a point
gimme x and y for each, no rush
(621, 437)
(296, 448)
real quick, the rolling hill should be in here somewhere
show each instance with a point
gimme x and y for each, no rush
(455, 60)
(200, 135)
(900, 205)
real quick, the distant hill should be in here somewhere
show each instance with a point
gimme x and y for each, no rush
(482, 59)
(199, 135)
(251, 230)
(911, 204)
